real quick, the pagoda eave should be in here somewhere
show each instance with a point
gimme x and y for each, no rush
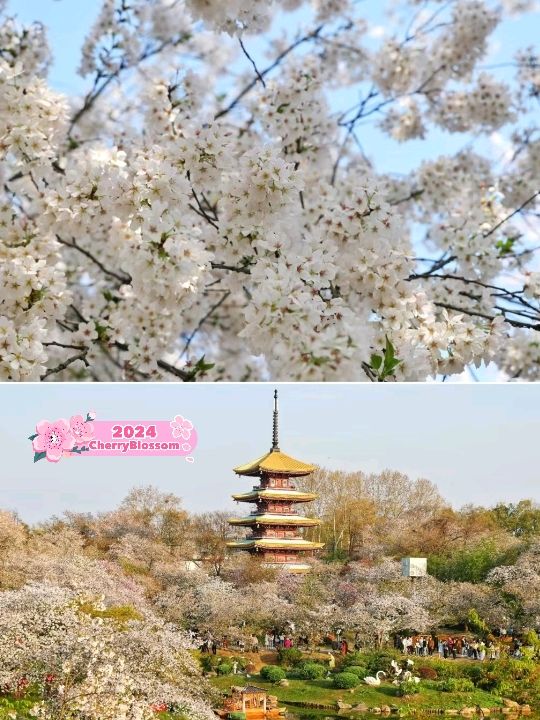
(289, 567)
(296, 496)
(296, 520)
(274, 544)
(275, 463)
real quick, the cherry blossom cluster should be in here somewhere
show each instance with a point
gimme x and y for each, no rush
(208, 210)
(88, 665)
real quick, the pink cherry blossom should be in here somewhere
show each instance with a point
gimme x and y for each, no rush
(181, 427)
(82, 431)
(91, 414)
(53, 438)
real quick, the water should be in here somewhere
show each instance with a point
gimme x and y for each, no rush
(298, 713)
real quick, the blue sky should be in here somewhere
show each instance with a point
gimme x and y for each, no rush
(68, 21)
(478, 443)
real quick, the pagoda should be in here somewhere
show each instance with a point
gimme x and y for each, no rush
(275, 523)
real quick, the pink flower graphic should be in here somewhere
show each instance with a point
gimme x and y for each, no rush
(82, 431)
(52, 439)
(181, 427)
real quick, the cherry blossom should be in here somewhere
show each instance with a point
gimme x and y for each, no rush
(53, 439)
(209, 208)
(81, 430)
(181, 428)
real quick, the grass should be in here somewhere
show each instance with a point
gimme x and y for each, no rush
(321, 692)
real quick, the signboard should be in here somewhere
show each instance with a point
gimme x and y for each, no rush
(414, 567)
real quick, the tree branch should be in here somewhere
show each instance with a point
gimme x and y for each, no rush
(511, 215)
(264, 73)
(252, 61)
(204, 319)
(125, 278)
(66, 364)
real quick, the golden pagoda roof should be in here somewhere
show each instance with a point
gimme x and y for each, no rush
(275, 461)
(275, 544)
(275, 494)
(275, 519)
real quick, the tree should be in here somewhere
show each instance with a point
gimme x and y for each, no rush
(522, 519)
(369, 514)
(208, 209)
(83, 665)
(211, 531)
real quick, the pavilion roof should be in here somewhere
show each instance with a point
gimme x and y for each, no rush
(277, 462)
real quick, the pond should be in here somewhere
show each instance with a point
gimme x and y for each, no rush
(298, 713)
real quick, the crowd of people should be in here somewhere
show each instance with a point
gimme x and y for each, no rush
(448, 647)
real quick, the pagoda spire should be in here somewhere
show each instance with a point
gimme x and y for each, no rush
(275, 442)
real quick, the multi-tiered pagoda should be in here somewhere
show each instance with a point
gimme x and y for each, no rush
(275, 523)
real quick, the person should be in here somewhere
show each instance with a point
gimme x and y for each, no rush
(254, 643)
(214, 647)
(235, 667)
(268, 641)
(331, 661)
(287, 642)
(431, 645)
(481, 650)
(344, 647)
(445, 649)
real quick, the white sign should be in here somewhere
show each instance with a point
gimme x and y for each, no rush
(414, 567)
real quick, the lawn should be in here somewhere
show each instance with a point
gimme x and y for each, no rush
(321, 692)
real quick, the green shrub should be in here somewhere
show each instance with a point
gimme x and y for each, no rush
(272, 673)
(237, 715)
(224, 669)
(473, 672)
(345, 680)
(498, 675)
(409, 687)
(311, 671)
(457, 685)
(445, 669)
(470, 564)
(477, 623)
(355, 658)
(289, 657)
(358, 670)
(207, 663)
(378, 660)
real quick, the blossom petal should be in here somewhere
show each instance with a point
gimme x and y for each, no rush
(54, 454)
(39, 443)
(42, 428)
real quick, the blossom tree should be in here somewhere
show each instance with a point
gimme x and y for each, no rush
(207, 209)
(86, 664)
